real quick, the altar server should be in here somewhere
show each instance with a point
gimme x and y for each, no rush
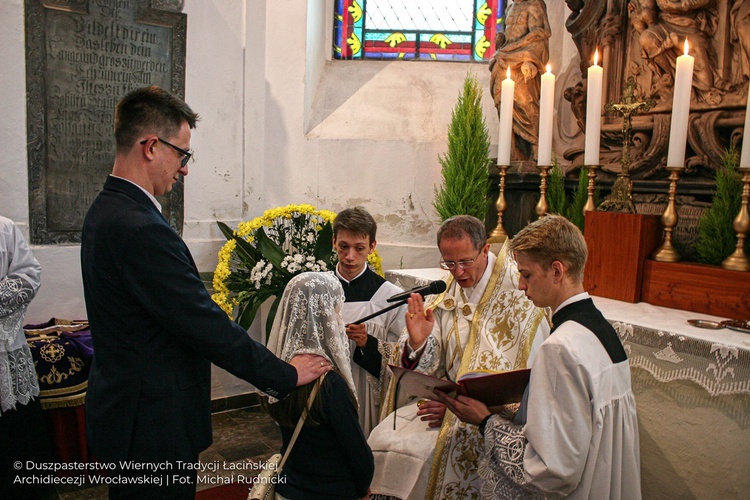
(576, 432)
(354, 238)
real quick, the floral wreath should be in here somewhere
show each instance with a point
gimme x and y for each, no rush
(263, 254)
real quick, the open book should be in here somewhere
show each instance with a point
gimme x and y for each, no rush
(494, 389)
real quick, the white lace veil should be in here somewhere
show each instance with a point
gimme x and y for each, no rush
(309, 321)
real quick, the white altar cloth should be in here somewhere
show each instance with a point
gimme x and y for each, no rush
(692, 388)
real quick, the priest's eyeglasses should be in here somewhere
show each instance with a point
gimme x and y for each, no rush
(450, 265)
(185, 154)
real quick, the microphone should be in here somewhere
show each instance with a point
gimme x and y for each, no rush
(433, 287)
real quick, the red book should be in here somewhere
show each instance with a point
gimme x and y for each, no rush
(494, 389)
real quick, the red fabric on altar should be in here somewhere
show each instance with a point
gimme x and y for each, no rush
(67, 432)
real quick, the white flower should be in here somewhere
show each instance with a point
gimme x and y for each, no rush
(257, 273)
(311, 237)
(299, 258)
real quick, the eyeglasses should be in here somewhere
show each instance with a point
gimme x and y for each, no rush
(463, 264)
(185, 154)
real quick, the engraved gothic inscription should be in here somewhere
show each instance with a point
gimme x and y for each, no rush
(87, 55)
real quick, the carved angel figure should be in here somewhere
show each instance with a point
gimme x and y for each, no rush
(663, 26)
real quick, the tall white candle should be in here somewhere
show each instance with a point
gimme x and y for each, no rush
(506, 120)
(745, 157)
(593, 112)
(683, 83)
(546, 110)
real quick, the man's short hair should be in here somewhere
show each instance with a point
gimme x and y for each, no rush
(150, 110)
(356, 220)
(460, 226)
(552, 238)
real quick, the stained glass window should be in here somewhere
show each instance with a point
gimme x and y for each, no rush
(442, 30)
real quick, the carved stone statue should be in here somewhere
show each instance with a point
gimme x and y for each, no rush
(524, 47)
(740, 36)
(663, 26)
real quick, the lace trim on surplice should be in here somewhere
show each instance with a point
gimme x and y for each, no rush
(18, 382)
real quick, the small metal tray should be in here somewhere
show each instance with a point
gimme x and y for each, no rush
(732, 324)
(705, 323)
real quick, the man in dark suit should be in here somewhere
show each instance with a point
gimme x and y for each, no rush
(154, 326)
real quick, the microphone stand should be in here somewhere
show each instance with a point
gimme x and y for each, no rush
(378, 313)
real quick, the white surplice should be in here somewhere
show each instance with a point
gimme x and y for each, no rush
(20, 277)
(581, 435)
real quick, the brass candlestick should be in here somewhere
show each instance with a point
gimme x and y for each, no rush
(591, 188)
(738, 261)
(542, 206)
(666, 252)
(498, 234)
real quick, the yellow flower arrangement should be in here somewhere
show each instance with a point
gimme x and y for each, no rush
(261, 256)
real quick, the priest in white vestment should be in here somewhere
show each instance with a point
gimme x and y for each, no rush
(576, 432)
(481, 322)
(354, 233)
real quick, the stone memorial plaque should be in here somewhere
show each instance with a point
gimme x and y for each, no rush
(82, 57)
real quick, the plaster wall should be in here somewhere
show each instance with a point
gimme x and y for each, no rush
(281, 123)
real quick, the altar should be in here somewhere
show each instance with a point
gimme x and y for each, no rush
(692, 388)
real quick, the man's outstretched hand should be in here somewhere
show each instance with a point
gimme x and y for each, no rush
(309, 367)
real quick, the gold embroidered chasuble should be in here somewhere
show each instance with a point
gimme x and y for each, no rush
(494, 328)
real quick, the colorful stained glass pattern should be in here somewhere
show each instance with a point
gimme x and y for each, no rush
(441, 30)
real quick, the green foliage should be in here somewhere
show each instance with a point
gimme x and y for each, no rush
(717, 238)
(465, 166)
(559, 202)
(580, 196)
(556, 197)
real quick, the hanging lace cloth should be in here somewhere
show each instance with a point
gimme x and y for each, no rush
(309, 321)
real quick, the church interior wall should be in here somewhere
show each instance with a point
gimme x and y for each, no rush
(281, 123)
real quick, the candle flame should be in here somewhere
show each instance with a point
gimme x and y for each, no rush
(687, 47)
(596, 56)
(508, 72)
(549, 68)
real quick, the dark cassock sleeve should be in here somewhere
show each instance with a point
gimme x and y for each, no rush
(369, 357)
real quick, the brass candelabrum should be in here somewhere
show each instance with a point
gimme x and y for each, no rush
(498, 235)
(666, 252)
(542, 207)
(591, 188)
(738, 261)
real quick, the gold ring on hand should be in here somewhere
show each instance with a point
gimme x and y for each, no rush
(411, 315)
(322, 364)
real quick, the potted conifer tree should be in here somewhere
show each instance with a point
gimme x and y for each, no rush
(465, 166)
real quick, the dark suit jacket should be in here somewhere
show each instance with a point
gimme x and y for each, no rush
(155, 331)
